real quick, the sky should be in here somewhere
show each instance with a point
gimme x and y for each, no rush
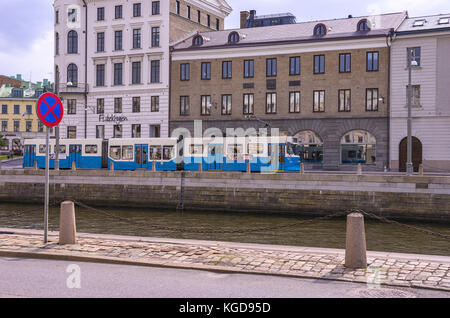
(26, 26)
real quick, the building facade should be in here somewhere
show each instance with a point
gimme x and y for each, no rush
(112, 62)
(326, 83)
(428, 40)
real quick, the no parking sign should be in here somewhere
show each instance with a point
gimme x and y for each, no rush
(50, 109)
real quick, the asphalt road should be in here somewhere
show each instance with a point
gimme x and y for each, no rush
(47, 278)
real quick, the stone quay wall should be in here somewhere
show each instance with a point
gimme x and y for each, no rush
(403, 197)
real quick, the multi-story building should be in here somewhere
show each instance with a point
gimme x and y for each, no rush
(249, 19)
(112, 62)
(326, 82)
(428, 41)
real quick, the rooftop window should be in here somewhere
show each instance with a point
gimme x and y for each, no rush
(198, 41)
(320, 30)
(419, 23)
(363, 25)
(233, 37)
(444, 21)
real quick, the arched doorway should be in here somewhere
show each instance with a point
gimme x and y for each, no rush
(416, 154)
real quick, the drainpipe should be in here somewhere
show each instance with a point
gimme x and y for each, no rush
(389, 39)
(85, 68)
(170, 89)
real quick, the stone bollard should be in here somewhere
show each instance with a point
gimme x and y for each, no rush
(154, 166)
(200, 166)
(35, 165)
(355, 245)
(421, 170)
(74, 165)
(359, 169)
(67, 225)
(302, 168)
(111, 165)
(249, 170)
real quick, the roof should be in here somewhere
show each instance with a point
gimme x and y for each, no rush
(431, 23)
(276, 15)
(5, 80)
(381, 25)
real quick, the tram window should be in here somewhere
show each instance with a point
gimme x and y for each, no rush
(255, 149)
(127, 152)
(91, 149)
(155, 152)
(43, 147)
(62, 148)
(196, 149)
(235, 151)
(168, 152)
(290, 149)
(114, 152)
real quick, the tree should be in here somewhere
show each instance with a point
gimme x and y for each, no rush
(3, 141)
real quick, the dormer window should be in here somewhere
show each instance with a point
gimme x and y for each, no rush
(198, 41)
(419, 23)
(363, 25)
(444, 21)
(233, 38)
(320, 30)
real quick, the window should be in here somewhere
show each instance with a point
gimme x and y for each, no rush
(100, 14)
(320, 30)
(271, 103)
(118, 40)
(217, 24)
(17, 92)
(17, 109)
(118, 71)
(56, 43)
(155, 131)
(344, 100)
(155, 104)
(72, 74)
(71, 106)
(199, 16)
(29, 109)
(72, 15)
(127, 152)
(188, 12)
(136, 73)
(155, 37)
(248, 104)
(100, 105)
(4, 125)
(100, 132)
(114, 152)
(294, 102)
(226, 69)
(155, 71)
(206, 105)
(206, 71)
(208, 20)
(91, 149)
(358, 146)
(419, 23)
(415, 98)
(197, 41)
(118, 12)
(4, 109)
(255, 149)
(415, 56)
(155, 153)
(118, 105)
(16, 126)
(319, 101)
(42, 148)
(226, 104)
(184, 106)
(345, 63)
(372, 61)
(196, 149)
(310, 146)
(177, 7)
(271, 67)
(168, 152)
(444, 21)
(72, 42)
(249, 68)
(363, 25)
(319, 64)
(136, 38)
(155, 7)
(233, 37)
(100, 74)
(100, 42)
(71, 132)
(40, 126)
(185, 72)
(136, 10)
(56, 17)
(28, 125)
(136, 104)
(294, 65)
(372, 99)
(117, 131)
(135, 131)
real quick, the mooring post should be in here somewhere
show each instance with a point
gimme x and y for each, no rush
(355, 245)
(421, 170)
(74, 165)
(359, 169)
(302, 168)
(249, 170)
(67, 224)
(154, 166)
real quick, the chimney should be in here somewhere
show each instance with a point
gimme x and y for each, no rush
(244, 17)
(19, 77)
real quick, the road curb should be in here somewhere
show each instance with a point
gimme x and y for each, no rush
(212, 268)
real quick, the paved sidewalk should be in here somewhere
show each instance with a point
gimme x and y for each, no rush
(394, 269)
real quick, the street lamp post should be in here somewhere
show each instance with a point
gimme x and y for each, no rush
(409, 164)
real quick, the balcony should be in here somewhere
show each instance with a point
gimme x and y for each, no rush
(79, 88)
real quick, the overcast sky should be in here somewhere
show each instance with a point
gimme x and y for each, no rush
(26, 26)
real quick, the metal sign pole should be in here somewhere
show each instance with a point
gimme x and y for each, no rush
(47, 163)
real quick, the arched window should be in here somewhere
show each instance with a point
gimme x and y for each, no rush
(72, 74)
(72, 42)
(309, 146)
(320, 30)
(233, 37)
(363, 25)
(358, 146)
(198, 40)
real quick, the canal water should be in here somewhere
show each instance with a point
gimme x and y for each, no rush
(329, 233)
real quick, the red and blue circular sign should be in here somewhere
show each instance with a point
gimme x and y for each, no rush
(50, 109)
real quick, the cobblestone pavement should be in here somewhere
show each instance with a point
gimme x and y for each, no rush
(410, 272)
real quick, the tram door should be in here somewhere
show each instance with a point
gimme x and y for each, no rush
(141, 156)
(215, 157)
(30, 155)
(75, 155)
(277, 156)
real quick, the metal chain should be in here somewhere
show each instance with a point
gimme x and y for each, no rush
(19, 213)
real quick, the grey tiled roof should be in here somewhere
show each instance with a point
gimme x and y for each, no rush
(347, 27)
(431, 22)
